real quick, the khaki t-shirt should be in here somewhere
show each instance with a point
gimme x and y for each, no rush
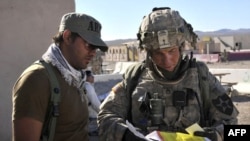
(31, 95)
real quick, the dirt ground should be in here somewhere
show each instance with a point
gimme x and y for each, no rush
(242, 103)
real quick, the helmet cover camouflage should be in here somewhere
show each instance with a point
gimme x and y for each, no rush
(164, 28)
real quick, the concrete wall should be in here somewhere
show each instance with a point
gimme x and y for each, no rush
(27, 28)
(241, 76)
(104, 83)
(120, 67)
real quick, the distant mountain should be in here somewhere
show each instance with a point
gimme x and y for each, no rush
(240, 35)
(118, 42)
(223, 32)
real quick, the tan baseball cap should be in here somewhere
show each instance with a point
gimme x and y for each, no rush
(86, 26)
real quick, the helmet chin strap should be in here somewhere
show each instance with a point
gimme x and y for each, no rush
(152, 65)
(155, 67)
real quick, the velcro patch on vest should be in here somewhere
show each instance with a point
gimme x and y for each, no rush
(117, 87)
(224, 104)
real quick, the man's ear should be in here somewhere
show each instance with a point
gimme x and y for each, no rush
(67, 36)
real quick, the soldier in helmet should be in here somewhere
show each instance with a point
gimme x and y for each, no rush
(168, 91)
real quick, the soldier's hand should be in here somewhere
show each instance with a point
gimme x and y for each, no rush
(129, 136)
(208, 132)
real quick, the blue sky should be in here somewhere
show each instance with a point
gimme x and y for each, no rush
(120, 19)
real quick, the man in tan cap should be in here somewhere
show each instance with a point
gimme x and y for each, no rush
(68, 56)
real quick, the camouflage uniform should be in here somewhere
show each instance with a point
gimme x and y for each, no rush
(115, 109)
(158, 103)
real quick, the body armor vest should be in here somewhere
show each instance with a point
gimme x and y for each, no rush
(166, 105)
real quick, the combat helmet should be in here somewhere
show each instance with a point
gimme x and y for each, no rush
(164, 28)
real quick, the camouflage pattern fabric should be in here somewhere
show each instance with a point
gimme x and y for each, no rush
(176, 115)
(165, 28)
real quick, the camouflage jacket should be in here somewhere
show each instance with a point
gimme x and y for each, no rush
(196, 97)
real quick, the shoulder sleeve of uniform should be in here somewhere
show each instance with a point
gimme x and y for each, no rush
(219, 99)
(117, 88)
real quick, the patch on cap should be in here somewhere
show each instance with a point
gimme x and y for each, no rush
(86, 26)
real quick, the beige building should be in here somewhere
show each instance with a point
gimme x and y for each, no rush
(96, 63)
(124, 53)
(215, 45)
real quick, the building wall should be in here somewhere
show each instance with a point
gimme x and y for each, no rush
(96, 63)
(27, 28)
(124, 53)
(226, 42)
(117, 53)
(216, 44)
